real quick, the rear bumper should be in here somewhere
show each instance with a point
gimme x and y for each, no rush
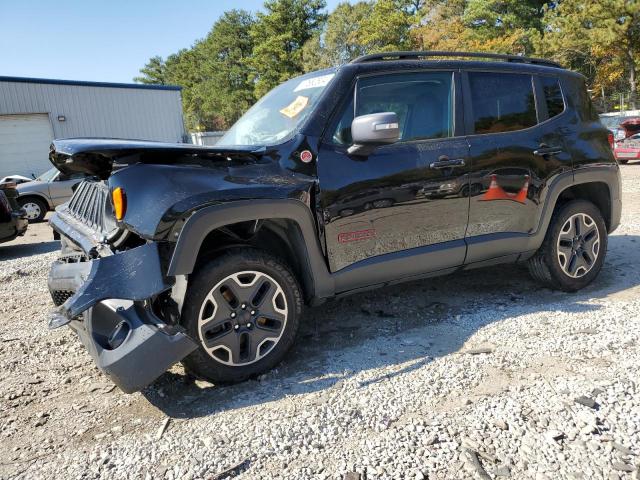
(106, 304)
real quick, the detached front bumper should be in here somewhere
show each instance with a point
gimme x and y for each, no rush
(105, 301)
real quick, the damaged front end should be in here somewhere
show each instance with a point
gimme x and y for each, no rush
(112, 315)
(106, 286)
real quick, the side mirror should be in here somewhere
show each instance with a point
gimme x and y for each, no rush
(372, 131)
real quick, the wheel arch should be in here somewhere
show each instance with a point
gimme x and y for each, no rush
(596, 192)
(597, 184)
(38, 196)
(282, 227)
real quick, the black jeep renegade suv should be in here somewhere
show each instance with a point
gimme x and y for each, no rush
(390, 168)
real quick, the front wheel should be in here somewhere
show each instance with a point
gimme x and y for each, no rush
(574, 248)
(243, 308)
(34, 207)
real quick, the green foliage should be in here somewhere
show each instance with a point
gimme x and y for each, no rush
(279, 35)
(217, 86)
(154, 72)
(337, 42)
(387, 28)
(601, 39)
(517, 21)
(244, 56)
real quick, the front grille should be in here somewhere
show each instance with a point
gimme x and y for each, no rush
(88, 205)
(60, 296)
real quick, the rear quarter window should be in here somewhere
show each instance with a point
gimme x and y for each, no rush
(553, 96)
(502, 102)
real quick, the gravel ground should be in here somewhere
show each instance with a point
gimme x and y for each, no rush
(479, 375)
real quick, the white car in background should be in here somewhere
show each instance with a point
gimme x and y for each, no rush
(46, 192)
(15, 179)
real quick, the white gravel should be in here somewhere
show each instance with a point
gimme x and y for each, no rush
(474, 375)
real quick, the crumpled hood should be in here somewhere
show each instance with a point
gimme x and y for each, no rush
(99, 156)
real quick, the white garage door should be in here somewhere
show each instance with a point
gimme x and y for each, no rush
(24, 144)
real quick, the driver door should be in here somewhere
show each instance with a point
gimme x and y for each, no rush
(410, 197)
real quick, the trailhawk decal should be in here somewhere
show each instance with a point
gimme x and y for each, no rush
(356, 236)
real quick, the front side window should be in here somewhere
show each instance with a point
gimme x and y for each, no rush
(422, 101)
(502, 102)
(552, 96)
(279, 113)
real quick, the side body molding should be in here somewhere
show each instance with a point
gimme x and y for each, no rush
(204, 221)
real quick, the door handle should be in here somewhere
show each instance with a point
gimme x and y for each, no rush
(445, 162)
(544, 150)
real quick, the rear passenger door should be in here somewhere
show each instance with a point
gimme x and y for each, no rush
(516, 148)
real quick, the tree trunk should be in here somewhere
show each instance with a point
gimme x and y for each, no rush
(632, 79)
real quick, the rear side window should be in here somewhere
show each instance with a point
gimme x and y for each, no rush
(502, 102)
(552, 96)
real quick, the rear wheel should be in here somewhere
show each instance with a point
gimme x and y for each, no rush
(243, 309)
(36, 209)
(574, 248)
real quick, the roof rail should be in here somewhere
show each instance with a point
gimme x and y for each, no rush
(418, 55)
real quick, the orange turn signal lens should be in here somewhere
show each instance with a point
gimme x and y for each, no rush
(119, 202)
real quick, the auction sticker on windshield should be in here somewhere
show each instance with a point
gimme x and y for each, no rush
(314, 82)
(295, 107)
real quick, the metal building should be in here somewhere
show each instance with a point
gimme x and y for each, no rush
(34, 111)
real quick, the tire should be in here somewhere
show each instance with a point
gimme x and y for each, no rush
(36, 208)
(553, 264)
(235, 343)
(624, 162)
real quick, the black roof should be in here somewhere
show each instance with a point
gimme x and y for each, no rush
(81, 83)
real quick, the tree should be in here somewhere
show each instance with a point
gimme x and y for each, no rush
(279, 35)
(154, 72)
(593, 36)
(441, 26)
(215, 81)
(507, 26)
(387, 27)
(226, 90)
(337, 42)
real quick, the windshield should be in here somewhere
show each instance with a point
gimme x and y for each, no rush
(279, 113)
(48, 176)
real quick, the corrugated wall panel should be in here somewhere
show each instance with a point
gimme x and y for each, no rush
(99, 111)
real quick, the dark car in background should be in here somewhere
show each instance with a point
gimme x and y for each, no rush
(13, 220)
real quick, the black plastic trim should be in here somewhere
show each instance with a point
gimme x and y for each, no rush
(405, 264)
(208, 219)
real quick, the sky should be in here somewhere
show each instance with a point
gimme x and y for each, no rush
(102, 40)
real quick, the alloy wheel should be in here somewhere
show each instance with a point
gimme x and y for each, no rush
(578, 245)
(242, 318)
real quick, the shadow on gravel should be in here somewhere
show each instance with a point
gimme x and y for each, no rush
(404, 326)
(11, 252)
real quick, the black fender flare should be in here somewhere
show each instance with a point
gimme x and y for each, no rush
(609, 175)
(208, 219)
